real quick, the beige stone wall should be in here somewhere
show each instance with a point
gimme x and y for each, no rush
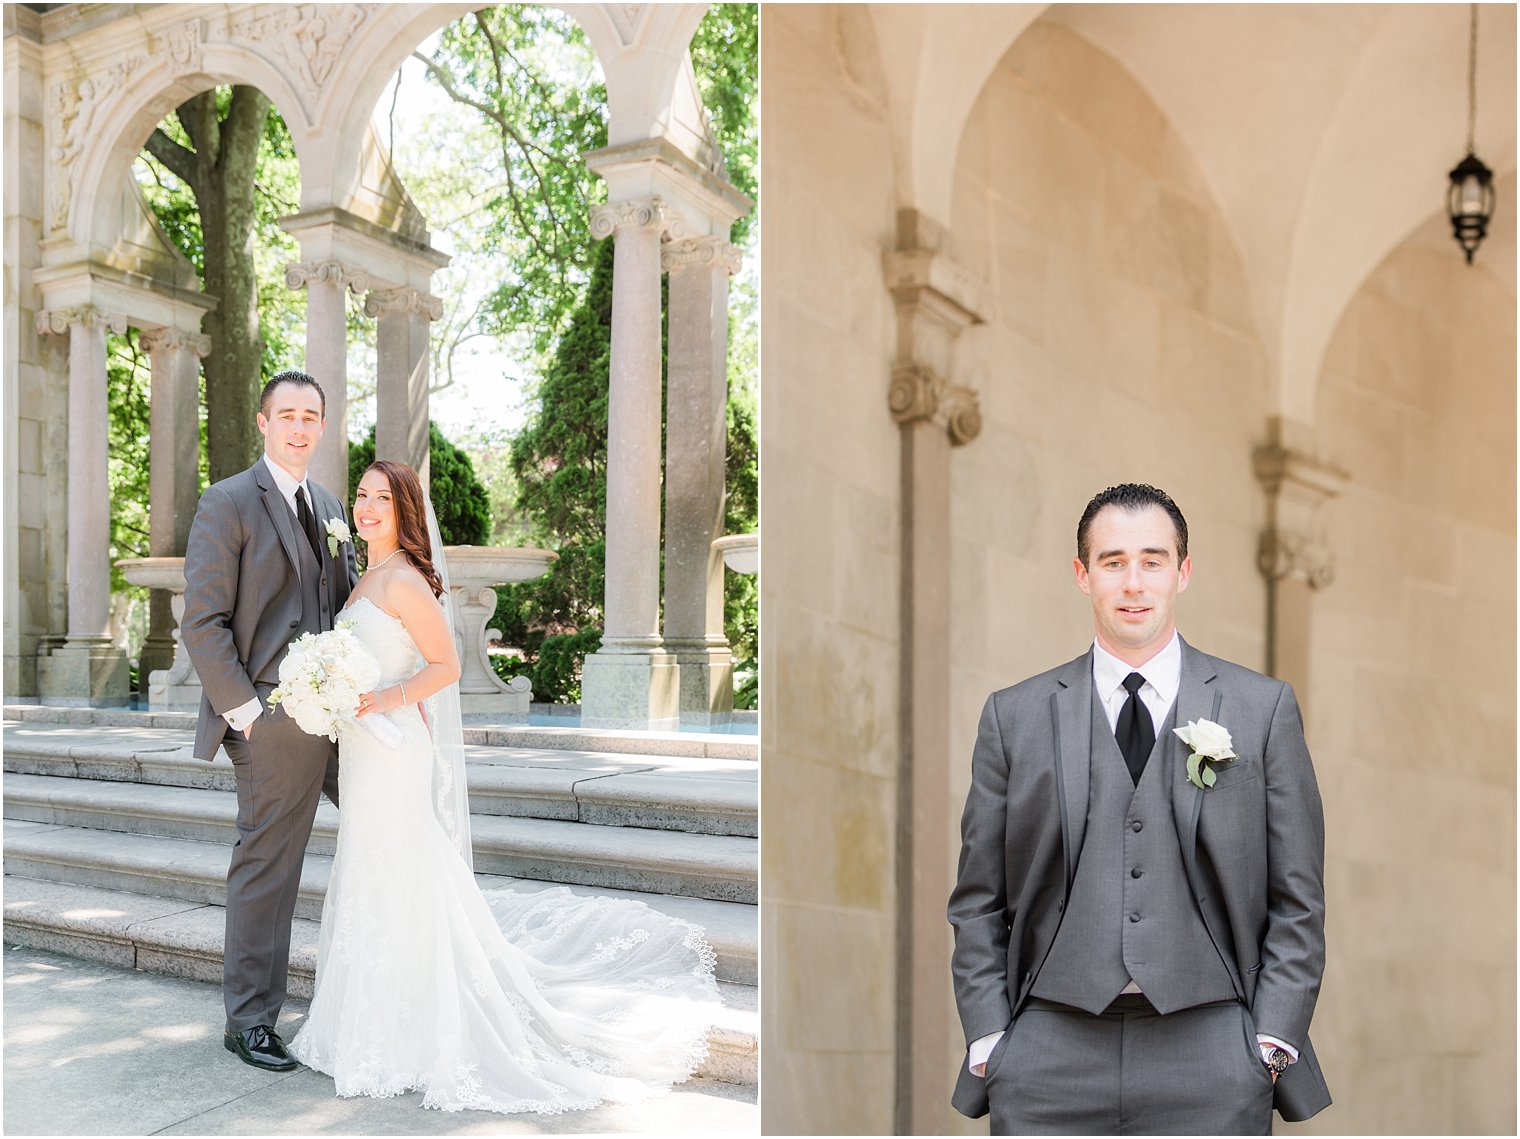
(35, 410)
(1120, 344)
(1413, 659)
(1120, 349)
(829, 580)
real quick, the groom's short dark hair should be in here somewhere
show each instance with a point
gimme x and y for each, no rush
(290, 376)
(1131, 496)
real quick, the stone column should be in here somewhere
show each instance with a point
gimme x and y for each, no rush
(1294, 554)
(325, 283)
(173, 470)
(88, 669)
(401, 398)
(696, 438)
(631, 681)
(935, 303)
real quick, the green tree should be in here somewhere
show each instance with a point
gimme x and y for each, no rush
(560, 462)
(459, 499)
(212, 146)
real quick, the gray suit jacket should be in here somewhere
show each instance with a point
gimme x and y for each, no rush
(243, 589)
(1252, 846)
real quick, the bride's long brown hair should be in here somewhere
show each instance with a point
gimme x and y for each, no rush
(411, 518)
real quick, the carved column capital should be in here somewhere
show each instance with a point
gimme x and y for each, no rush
(709, 250)
(299, 274)
(1299, 484)
(936, 301)
(57, 321)
(159, 339)
(919, 394)
(643, 213)
(406, 300)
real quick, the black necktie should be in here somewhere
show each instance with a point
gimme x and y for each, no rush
(1134, 730)
(308, 523)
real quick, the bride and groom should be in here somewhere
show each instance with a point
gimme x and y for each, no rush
(543, 1002)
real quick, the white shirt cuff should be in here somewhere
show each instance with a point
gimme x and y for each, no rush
(1272, 1041)
(244, 714)
(980, 1050)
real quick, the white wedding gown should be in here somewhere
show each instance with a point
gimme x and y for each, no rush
(552, 1003)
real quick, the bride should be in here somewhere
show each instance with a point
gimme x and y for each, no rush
(541, 1002)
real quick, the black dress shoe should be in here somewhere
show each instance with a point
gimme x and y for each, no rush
(262, 1047)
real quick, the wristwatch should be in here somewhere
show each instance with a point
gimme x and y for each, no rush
(1276, 1059)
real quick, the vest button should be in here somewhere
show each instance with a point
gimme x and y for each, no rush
(1134, 917)
(295, 624)
(1135, 873)
(1136, 826)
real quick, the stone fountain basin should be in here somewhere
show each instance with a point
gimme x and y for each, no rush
(493, 565)
(741, 552)
(154, 573)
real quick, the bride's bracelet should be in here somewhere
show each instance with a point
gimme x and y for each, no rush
(403, 694)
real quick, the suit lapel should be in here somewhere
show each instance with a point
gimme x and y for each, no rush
(279, 514)
(1198, 698)
(1071, 711)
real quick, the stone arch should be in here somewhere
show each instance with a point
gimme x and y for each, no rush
(643, 55)
(158, 86)
(1344, 123)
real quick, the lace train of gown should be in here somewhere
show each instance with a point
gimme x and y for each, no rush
(551, 1003)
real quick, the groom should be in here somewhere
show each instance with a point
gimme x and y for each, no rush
(260, 570)
(1135, 952)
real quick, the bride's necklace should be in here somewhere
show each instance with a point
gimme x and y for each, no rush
(383, 560)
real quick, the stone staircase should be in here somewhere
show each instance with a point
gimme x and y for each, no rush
(116, 841)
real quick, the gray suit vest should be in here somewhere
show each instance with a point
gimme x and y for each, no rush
(316, 599)
(1131, 914)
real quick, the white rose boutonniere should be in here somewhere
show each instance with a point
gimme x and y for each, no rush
(1209, 743)
(337, 534)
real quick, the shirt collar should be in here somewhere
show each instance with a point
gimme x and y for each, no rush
(286, 484)
(1163, 672)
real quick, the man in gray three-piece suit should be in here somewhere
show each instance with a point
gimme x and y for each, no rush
(260, 570)
(1139, 935)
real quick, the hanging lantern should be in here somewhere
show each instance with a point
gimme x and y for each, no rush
(1470, 203)
(1470, 200)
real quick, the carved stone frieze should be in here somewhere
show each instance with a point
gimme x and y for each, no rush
(72, 104)
(299, 274)
(709, 250)
(918, 393)
(182, 44)
(308, 39)
(411, 301)
(645, 213)
(57, 321)
(170, 339)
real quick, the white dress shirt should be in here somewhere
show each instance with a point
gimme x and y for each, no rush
(245, 714)
(1163, 677)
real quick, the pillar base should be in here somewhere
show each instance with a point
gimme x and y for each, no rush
(506, 707)
(166, 696)
(707, 682)
(157, 654)
(85, 673)
(637, 691)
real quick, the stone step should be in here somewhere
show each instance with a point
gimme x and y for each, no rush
(184, 939)
(701, 796)
(172, 872)
(688, 745)
(718, 867)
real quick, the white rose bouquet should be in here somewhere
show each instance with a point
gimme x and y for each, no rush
(320, 681)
